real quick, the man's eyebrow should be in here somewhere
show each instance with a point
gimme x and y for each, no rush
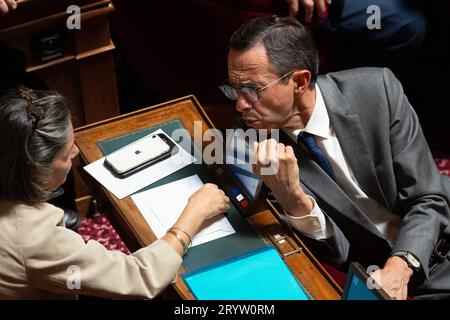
(246, 83)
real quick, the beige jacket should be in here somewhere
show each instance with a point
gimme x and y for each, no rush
(40, 258)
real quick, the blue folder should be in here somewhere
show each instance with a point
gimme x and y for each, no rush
(260, 274)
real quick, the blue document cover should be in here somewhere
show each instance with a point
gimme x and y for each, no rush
(260, 274)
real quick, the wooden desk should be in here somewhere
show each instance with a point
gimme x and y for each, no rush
(132, 226)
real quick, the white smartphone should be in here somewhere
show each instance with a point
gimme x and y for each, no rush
(140, 154)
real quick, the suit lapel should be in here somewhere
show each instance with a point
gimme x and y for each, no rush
(352, 140)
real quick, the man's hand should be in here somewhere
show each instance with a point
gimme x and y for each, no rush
(7, 5)
(394, 277)
(277, 167)
(319, 6)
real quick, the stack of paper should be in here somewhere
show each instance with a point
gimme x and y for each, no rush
(163, 205)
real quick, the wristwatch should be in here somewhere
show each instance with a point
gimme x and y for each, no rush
(410, 259)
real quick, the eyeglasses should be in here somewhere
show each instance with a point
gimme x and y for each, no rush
(252, 93)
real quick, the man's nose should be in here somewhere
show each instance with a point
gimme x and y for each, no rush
(242, 103)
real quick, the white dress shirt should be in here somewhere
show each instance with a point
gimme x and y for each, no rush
(314, 224)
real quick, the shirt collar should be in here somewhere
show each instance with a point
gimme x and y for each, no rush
(319, 123)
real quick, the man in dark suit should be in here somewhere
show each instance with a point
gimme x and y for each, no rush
(369, 190)
(367, 32)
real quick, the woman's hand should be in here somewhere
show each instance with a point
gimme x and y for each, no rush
(208, 201)
(205, 203)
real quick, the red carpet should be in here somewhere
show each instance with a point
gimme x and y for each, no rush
(99, 228)
(443, 166)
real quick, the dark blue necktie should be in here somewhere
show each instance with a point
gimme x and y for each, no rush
(308, 140)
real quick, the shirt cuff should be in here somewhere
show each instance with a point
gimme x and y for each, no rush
(313, 224)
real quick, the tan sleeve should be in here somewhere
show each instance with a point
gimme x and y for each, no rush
(58, 260)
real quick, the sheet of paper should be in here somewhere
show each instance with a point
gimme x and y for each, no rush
(161, 207)
(122, 187)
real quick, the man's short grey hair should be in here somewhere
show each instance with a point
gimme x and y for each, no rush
(28, 147)
(289, 44)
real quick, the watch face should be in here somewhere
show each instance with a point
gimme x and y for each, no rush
(414, 262)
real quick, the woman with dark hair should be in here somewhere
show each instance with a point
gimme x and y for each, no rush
(37, 253)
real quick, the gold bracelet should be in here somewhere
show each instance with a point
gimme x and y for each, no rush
(183, 244)
(187, 234)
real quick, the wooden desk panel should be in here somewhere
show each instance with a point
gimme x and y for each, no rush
(132, 226)
(82, 67)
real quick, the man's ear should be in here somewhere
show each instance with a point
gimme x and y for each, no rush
(301, 79)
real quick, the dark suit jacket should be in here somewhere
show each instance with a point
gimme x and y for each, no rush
(383, 143)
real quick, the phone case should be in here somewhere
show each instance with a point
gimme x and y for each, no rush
(140, 153)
